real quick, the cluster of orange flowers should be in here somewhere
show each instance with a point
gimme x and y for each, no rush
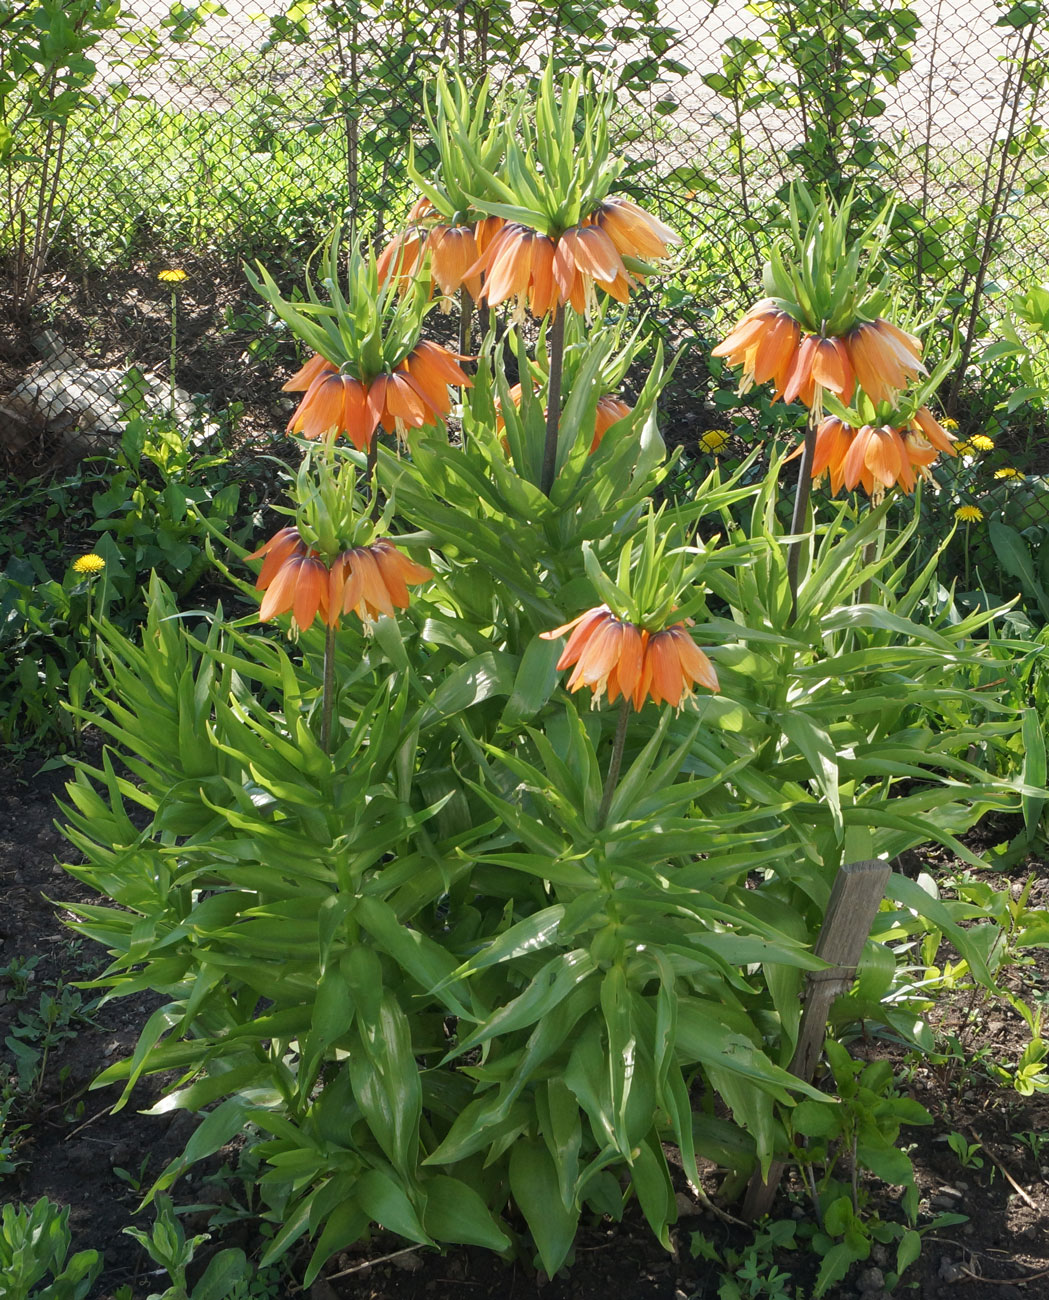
(415, 394)
(521, 263)
(878, 457)
(452, 250)
(614, 656)
(369, 580)
(769, 344)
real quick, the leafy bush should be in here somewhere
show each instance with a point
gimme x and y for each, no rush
(466, 954)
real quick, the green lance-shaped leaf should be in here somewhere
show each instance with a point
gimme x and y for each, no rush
(820, 754)
(1034, 770)
(455, 1212)
(558, 1113)
(650, 1178)
(535, 1187)
(901, 889)
(383, 1072)
(1015, 557)
(546, 990)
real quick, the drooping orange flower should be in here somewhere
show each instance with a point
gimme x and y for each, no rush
(885, 358)
(453, 251)
(610, 409)
(403, 257)
(878, 459)
(415, 394)
(294, 578)
(633, 231)
(369, 580)
(833, 440)
(373, 580)
(769, 344)
(616, 657)
(543, 272)
(821, 363)
(585, 255)
(673, 665)
(765, 343)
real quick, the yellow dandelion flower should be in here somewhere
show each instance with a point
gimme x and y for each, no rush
(713, 440)
(969, 515)
(173, 276)
(949, 424)
(964, 448)
(89, 564)
(982, 443)
(1007, 472)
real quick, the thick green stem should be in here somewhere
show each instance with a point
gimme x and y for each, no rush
(466, 313)
(870, 554)
(328, 703)
(615, 763)
(801, 506)
(370, 483)
(556, 345)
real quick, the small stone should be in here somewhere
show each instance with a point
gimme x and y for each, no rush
(871, 1279)
(680, 1295)
(947, 1198)
(686, 1206)
(121, 1153)
(797, 1212)
(322, 1290)
(410, 1263)
(950, 1270)
(880, 1254)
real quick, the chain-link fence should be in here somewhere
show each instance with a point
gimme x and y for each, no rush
(147, 134)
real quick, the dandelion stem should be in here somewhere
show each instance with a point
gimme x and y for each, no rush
(615, 763)
(801, 505)
(968, 585)
(328, 703)
(174, 349)
(556, 344)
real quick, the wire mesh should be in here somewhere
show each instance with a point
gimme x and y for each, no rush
(219, 132)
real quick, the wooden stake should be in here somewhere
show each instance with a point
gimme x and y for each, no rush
(854, 901)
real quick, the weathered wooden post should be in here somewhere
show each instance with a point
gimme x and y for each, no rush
(854, 901)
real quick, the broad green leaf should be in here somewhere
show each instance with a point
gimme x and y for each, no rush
(535, 682)
(821, 756)
(386, 1203)
(536, 1191)
(455, 1212)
